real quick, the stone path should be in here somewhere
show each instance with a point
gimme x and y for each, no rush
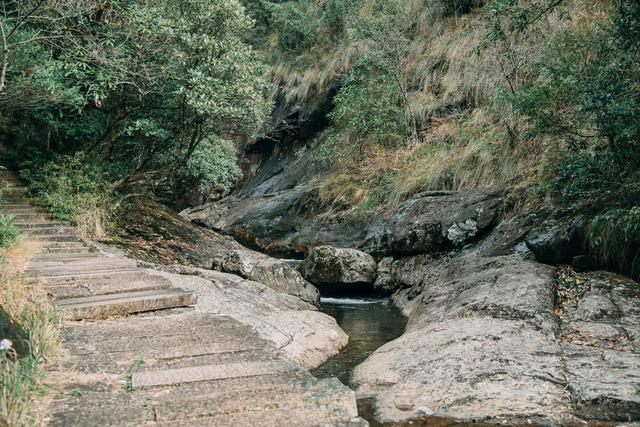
(169, 364)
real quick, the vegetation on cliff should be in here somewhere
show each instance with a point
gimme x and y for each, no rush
(124, 97)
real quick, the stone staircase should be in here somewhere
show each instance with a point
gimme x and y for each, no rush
(166, 367)
(84, 282)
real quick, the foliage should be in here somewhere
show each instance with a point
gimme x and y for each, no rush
(212, 167)
(9, 233)
(368, 105)
(74, 189)
(614, 239)
(458, 7)
(140, 85)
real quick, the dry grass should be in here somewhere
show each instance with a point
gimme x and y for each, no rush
(470, 137)
(25, 303)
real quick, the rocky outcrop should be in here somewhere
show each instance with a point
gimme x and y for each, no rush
(488, 341)
(437, 221)
(407, 272)
(326, 265)
(558, 241)
(154, 233)
(285, 222)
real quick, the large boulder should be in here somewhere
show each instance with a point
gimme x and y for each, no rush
(407, 272)
(558, 241)
(488, 340)
(297, 328)
(330, 266)
(436, 222)
(288, 221)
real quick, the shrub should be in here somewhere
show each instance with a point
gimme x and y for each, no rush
(9, 233)
(30, 322)
(213, 167)
(74, 189)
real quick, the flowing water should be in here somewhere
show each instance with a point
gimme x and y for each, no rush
(370, 323)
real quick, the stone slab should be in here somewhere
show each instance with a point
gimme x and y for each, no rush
(207, 373)
(102, 306)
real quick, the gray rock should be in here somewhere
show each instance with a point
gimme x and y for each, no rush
(329, 265)
(287, 222)
(484, 342)
(558, 241)
(407, 272)
(435, 222)
(385, 280)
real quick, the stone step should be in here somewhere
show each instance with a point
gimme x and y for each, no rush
(53, 237)
(51, 230)
(169, 377)
(21, 209)
(286, 401)
(62, 268)
(68, 250)
(309, 402)
(273, 418)
(102, 306)
(62, 244)
(31, 217)
(8, 206)
(47, 256)
(41, 224)
(95, 274)
(105, 287)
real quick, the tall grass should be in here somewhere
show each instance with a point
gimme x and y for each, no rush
(458, 91)
(34, 329)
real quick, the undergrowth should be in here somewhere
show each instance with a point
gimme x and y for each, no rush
(75, 189)
(30, 334)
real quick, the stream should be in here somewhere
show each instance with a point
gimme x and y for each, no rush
(370, 323)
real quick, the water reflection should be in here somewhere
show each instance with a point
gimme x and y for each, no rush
(370, 323)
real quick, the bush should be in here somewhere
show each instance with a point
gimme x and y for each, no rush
(212, 167)
(74, 189)
(9, 233)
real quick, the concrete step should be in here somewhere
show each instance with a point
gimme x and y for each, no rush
(68, 250)
(169, 377)
(41, 224)
(95, 274)
(105, 287)
(102, 306)
(16, 204)
(31, 217)
(15, 210)
(85, 255)
(308, 402)
(53, 237)
(61, 267)
(51, 230)
(289, 403)
(53, 244)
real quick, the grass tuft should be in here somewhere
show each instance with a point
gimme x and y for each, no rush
(33, 327)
